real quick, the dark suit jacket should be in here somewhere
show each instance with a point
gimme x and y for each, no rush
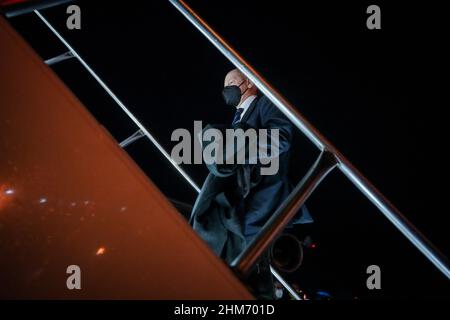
(236, 201)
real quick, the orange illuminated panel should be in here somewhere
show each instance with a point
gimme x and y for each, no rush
(69, 195)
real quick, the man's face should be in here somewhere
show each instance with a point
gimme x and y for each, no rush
(235, 78)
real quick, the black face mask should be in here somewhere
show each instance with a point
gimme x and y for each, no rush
(232, 94)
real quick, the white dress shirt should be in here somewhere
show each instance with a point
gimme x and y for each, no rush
(246, 104)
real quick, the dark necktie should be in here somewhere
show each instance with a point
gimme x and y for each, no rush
(237, 116)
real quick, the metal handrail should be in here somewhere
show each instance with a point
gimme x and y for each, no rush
(118, 101)
(364, 185)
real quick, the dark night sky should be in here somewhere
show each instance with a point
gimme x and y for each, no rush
(379, 96)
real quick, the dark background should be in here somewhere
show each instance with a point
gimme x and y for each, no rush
(379, 95)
